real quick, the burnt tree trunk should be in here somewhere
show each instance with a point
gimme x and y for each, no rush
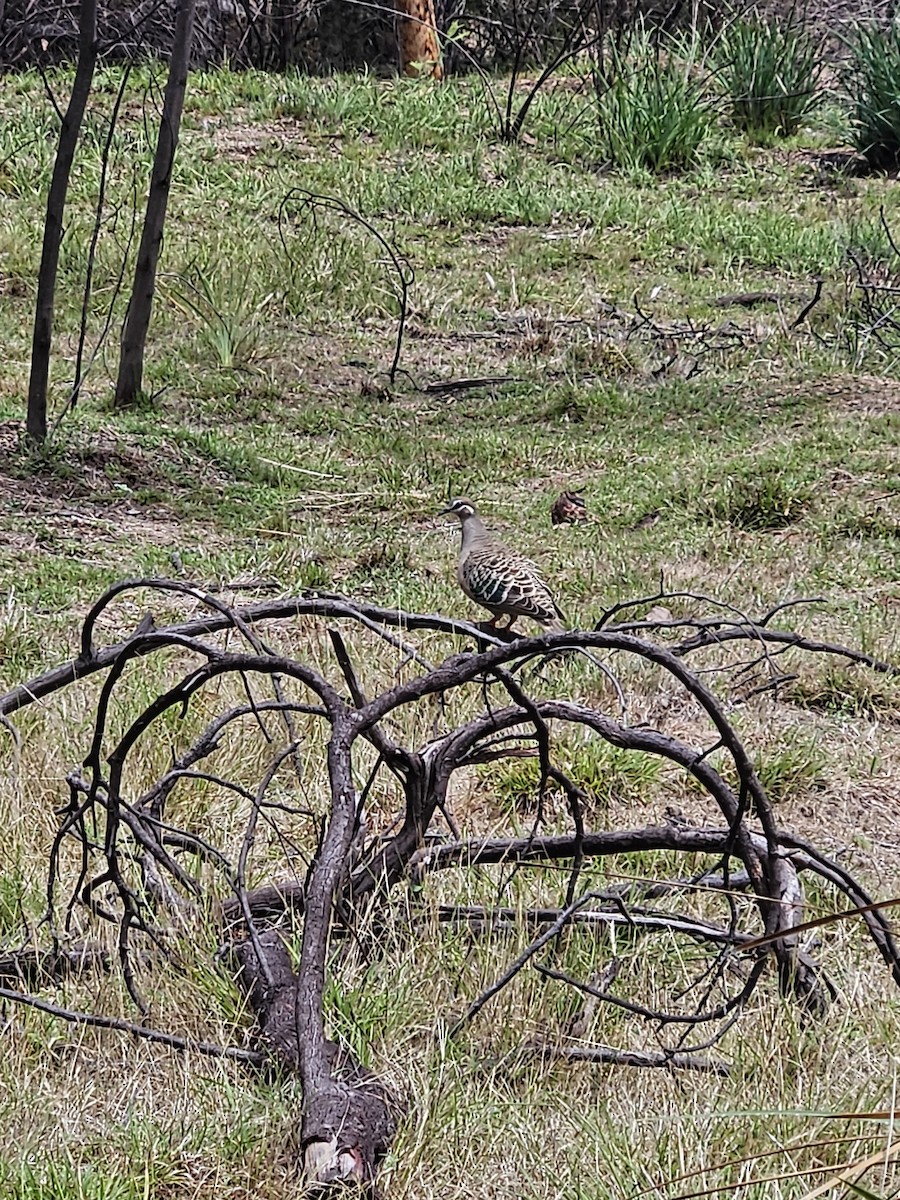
(417, 40)
(347, 1124)
(283, 33)
(137, 321)
(362, 1124)
(36, 417)
(345, 1127)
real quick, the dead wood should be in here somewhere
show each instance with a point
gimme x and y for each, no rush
(628, 1058)
(351, 1125)
(145, 1032)
(139, 872)
(501, 920)
(43, 967)
(70, 128)
(140, 305)
(712, 631)
(747, 299)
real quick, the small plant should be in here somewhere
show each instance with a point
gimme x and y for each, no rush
(872, 86)
(844, 693)
(12, 896)
(794, 770)
(771, 500)
(654, 115)
(770, 71)
(229, 316)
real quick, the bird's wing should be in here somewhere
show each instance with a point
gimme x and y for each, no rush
(510, 583)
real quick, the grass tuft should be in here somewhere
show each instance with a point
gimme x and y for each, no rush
(770, 72)
(794, 770)
(608, 776)
(872, 85)
(654, 116)
(771, 501)
(844, 693)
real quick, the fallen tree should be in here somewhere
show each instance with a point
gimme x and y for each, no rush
(138, 871)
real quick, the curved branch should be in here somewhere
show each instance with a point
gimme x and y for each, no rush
(783, 637)
(370, 616)
(374, 618)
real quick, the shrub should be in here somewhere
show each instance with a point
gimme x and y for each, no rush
(872, 85)
(654, 114)
(770, 71)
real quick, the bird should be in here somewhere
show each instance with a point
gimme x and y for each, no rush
(496, 577)
(568, 508)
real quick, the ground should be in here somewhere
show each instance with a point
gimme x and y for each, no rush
(729, 451)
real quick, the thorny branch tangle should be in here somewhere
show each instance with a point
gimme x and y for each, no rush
(126, 858)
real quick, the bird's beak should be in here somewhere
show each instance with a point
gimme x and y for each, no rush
(444, 512)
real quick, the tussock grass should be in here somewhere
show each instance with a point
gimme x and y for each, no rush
(770, 72)
(270, 451)
(871, 82)
(654, 115)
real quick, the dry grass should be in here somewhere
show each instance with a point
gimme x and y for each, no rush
(479, 1109)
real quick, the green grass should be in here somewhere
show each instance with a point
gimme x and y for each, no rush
(871, 79)
(603, 772)
(735, 454)
(769, 70)
(654, 115)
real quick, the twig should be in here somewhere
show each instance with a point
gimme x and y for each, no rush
(629, 1058)
(312, 202)
(240, 882)
(373, 617)
(519, 962)
(499, 918)
(649, 1014)
(459, 385)
(190, 1045)
(808, 307)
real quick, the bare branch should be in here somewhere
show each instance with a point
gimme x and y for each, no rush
(189, 1045)
(629, 1058)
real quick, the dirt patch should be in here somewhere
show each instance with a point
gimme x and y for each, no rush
(34, 522)
(242, 141)
(870, 395)
(108, 466)
(97, 497)
(866, 394)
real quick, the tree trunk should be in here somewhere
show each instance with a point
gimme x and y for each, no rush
(137, 321)
(347, 1123)
(417, 40)
(283, 34)
(36, 419)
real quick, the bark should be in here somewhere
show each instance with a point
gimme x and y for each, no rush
(137, 322)
(347, 1123)
(283, 33)
(39, 968)
(36, 418)
(341, 1134)
(417, 40)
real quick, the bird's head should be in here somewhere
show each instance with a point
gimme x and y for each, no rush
(462, 509)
